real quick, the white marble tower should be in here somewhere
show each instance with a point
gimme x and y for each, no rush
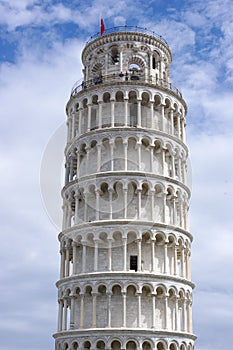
(125, 246)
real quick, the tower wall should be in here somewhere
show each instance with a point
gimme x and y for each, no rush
(125, 246)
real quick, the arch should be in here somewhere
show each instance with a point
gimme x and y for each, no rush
(95, 99)
(119, 96)
(74, 345)
(173, 346)
(161, 345)
(100, 345)
(65, 346)
(114, 52)
(147, 345)
(86, 345)
(106, 97)
(132, 344)
(116, 344)
(146, 96)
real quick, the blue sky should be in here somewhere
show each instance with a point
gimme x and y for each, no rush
(40, 46)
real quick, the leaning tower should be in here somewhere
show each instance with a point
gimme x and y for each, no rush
(125, 246)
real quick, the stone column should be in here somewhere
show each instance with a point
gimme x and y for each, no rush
(190, 317)
(173, 163)
(62, 267)
(109, 294)
(111, 144)
(179, 165)
(65, 315)
(94, 295)
(87, 148)
(60, 315)
(188, 275)
(124, 308)
(177, 317)
(153, 255)
(174, 210)
(72, 310)
(139, 191)
(139, 310)
(181, 213)
(73, 126)
(163, 160)
(178, 125)
(78, 164)
(125, 144)
(74, 245)
(152, 124)
(182, 262)
(172, 121)
(175, 260)
(125, 201)
(81, 310)
(164, 207)
(85, 194)
(67, 263)
(88, 117)
(139, 242)
(125, 254)
(139, 121)
(80, 121)
(121, 59)
(97, 212)
(150, 63)
(109, 254)
(183, 138)
(96, 255)
(165, 311)
(152, 203)
(162, 117)
(153, 310)
(69, 214)
(126, 111)
(84, 256)
(184, 316)
(151, 157)
(100, 114)
(139, 155)
(112, 102)
(99, 147)
(110, 191)
(165, 257)
(184, 171)
(67, 174)
(76, 196)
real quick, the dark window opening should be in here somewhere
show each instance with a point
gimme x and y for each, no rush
(154, 63)
(134, 262)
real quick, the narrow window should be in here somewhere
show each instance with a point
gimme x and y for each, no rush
(154, 63)
(133, 262)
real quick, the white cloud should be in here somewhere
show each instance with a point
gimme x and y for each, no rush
(33, 95)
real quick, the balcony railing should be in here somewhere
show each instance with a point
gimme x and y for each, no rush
(124, 29)
(126, 78)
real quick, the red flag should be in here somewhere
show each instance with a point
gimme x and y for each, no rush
(102, 27)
